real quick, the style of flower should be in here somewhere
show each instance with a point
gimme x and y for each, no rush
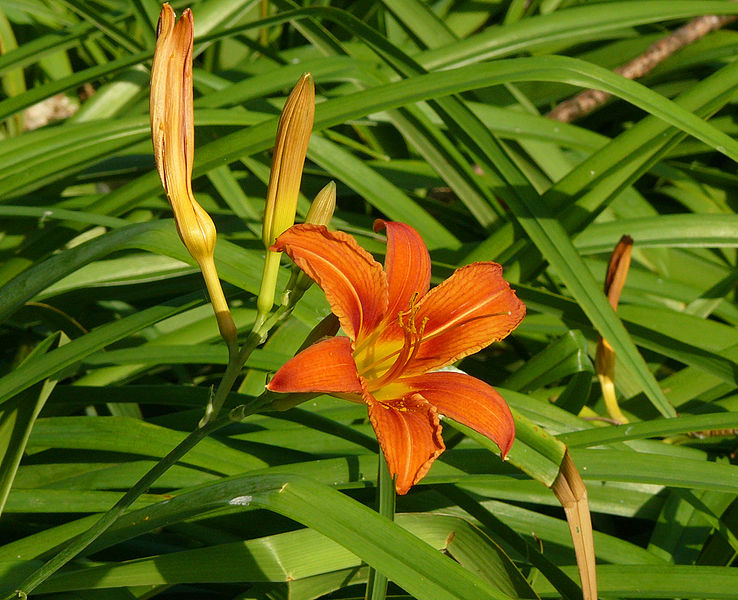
(397, 337)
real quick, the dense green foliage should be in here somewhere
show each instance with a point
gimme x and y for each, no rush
(432, 113)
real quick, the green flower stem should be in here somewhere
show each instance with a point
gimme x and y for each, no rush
(83, 540)
(235, 363)
(265, 299)
(262, 326)
(376, 585)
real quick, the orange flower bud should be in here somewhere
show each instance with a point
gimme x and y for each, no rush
(293, 135)
(172, 129)
(173, 137)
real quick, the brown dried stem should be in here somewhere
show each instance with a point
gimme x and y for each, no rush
(590, 100)
(570, 491)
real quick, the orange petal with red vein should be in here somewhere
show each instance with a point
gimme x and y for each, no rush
(407, 264)
(469, 401)
(410, 435)
(354, 283)
(325, 367)
(467, 312)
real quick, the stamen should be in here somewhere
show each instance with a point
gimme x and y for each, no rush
(410, 347)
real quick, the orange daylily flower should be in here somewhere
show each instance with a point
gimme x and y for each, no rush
(398, 334)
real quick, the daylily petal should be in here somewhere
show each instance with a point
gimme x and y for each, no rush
(467, 312)
(469, 401)
(325, 367)
(407, 264)
(410, 435)
(354, 283)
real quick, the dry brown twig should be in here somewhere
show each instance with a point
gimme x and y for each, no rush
(590, 100)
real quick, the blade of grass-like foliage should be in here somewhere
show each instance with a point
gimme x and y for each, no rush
(598, 179)
(572, 25)
(478, 553)
(705, 510)
(184, 354)
(563, 357)
(555, 532)
(677, 471)
(544, 68)
(101, 23)
(49, 212)
(72, 501)
(13, 82)
(16, 104)
(100, 476)
(376, 584)
(422, 21)
(675, 231)
(357, 528)
(645, 332)
(534, 452)
(45, 156)
(35, 545)
(450, 164)
(109, 434)
(282, 557)
(647, 429)
(17, 419)
(234, 264)
(393, 95)
(563, 584)
(532, 447)
(67, 355)
(30, 52)
(667, 581)
(28, 284)
(378, 191)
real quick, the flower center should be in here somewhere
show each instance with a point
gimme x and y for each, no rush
(372, 356)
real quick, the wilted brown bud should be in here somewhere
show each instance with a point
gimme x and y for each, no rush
(617, 272)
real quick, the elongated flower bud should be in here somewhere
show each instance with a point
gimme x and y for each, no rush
(293, 135)
(173, 137)
(172, 129)
(290, 149)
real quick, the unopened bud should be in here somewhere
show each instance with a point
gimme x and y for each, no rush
(172, 129)
(173, 137)
(322, 208)
(293, 135)
(290, 149)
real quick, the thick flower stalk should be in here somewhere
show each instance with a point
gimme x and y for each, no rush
(397, 337)
(173, 137)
